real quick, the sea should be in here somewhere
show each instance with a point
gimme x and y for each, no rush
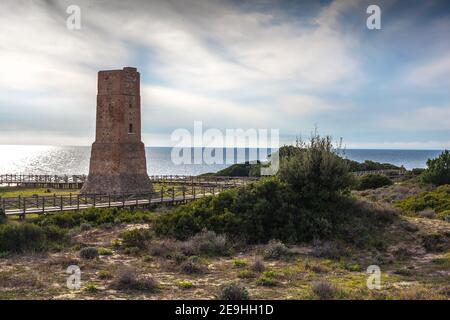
(74, 160)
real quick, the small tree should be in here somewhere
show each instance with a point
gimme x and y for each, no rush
(438, 171)
(316, 171)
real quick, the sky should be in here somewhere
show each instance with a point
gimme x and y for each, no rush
(286, 65)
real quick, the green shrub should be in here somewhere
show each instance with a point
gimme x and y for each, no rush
(437, 199)
(438, 169)
(444, 215)
(316, 172)
(239, 263)
(241, 170)
(245, 274)
(89, 253)
(373, 181)
(137, 238)
(105, 275)
(91, 287)
(232, 291)
(369, 165)
(266, 281)
(308, 201)
(269, 209)
(104, 251)
(184, 284)
(93, 217)
(28, 237)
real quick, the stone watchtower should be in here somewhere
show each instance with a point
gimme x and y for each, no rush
(118, 156)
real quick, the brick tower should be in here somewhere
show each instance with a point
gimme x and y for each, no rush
(118, 156)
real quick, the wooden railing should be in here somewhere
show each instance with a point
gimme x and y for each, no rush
(76, 181)
(38, 204)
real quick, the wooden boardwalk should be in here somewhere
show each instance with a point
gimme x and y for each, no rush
(173, 191)
(76, 181)
(43, 205)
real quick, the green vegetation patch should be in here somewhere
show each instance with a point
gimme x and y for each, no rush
(437, 199)
(373, 181)
(23, 237)
(93, 217)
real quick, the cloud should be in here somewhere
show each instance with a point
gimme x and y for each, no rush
(249, 65)
(433, 72)
(422, 119)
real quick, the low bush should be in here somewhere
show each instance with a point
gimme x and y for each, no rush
(23, 237)
(373, 181)
(239, 263)
(93, 217)
(104, 251)
(129, 279)
(192, 265)
(91, 287)
(232, 291)
(444, 215)
(323, 290)
(209, 243)
(105, 275)
(276, 250)
(184, 284)
(330, 250)
(266, 280)
(437, 199)
(89, 253)
(245, 274)
(258, 265)
(136, 238)
(435, 242)
(85, 226)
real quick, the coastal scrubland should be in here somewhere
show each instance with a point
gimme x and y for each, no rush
(310, 232)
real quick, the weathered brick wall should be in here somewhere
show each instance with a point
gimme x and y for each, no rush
(118, 156)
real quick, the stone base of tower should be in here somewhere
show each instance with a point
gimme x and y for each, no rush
(117, 168)
(119, 184)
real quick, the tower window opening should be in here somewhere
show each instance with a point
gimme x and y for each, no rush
(130, 128)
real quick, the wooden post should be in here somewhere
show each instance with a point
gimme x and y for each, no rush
(70, 199)
(24, 209)
(61, 198)
(94, 200)
(43, 205)
(109, 200)
(162, 194)
(173, 194)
